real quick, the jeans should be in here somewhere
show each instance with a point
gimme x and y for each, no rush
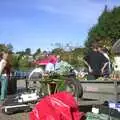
(4, 85)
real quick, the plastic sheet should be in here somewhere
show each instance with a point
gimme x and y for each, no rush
(60, 106)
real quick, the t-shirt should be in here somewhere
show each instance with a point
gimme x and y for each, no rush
(2, 66)
(49, 67)
(96, 60)
(62, 67)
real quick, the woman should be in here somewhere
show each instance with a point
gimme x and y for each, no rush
(3, 75)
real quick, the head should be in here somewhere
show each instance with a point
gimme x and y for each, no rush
(45, 53)
(4, 55)
(58, 58)
(94, 47)
(100, 48)
(105, 50)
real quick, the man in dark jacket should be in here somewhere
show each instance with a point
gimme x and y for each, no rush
(95, 61)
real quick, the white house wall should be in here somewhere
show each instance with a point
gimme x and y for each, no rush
(117, 63)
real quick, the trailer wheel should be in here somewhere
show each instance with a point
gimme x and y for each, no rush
(74, 86)
(80, 89)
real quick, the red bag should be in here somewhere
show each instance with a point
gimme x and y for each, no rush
(60, 106)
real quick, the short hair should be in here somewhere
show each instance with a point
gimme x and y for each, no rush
(105, 50)
(94, 45)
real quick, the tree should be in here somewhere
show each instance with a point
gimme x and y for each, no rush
(107, 30)
(23, 63)
(27, 51)
(58, 51)
(77, 59)
(37, 53)
(10, 47)
(15, 62)
(3, 47)
(20, 53)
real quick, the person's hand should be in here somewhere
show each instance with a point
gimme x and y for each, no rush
(102, 70)
(90, 69)
(46, 74)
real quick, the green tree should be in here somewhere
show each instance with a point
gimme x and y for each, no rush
(10, 47)
(27, 51)
(3, 47)
(23, 63)
(15, 62)
(37, 53)
(58, 51)
(77, 59)
(107, 30)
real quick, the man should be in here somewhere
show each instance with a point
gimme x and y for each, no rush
(49, 67)
(95, 61)
(36, 73)
(62, 67)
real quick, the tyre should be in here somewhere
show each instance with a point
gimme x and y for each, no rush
(74, 86)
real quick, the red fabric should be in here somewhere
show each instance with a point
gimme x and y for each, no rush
(52, 59)
(42, 62)
(45, 61)
(60, 106)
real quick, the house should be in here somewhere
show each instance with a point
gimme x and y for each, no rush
(116, 50)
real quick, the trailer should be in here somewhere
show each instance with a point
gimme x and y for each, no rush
(102, 90)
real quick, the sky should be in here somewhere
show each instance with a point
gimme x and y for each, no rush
(42, 23)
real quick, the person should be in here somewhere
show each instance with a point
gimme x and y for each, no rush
(36, 73)
(3, 75)
(63, 67)
(96, 62)
(57, 64)
(49, 67)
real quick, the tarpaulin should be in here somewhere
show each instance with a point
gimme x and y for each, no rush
(51, 58)
(60, 106)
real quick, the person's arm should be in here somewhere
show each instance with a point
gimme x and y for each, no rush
(2, 66)
(105, 63)
(104, 66)
(86, 61)
(29, 77)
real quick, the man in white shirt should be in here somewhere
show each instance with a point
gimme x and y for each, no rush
(38, 71)
(49, 67)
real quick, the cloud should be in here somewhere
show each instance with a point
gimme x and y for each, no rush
(49, 19)
(80, 11)
(83, 11)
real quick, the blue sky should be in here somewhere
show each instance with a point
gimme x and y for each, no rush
(41, 23)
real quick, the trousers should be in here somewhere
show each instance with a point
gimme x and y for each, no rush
(4, 85)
